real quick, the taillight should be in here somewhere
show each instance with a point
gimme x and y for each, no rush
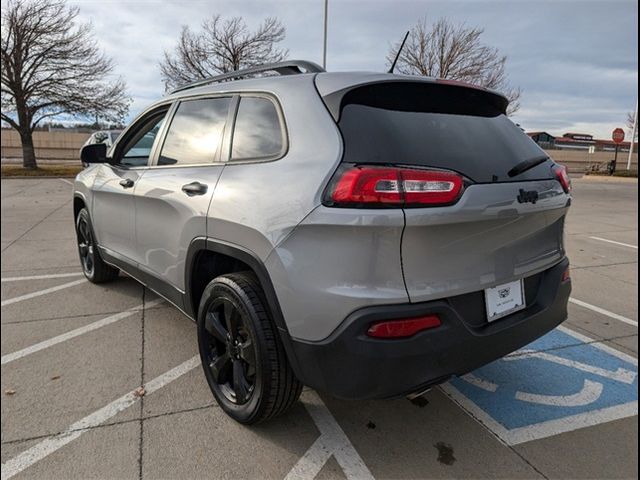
(403, 328)
(566, 275)
(562, 176)
(368, 186)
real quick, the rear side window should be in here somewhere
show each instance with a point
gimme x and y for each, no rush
(438, 126)
(195, 133)
(258, 132)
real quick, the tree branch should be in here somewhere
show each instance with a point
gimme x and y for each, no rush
(221, 46)
(446, 50)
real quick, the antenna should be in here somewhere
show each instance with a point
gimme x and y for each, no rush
(395, 60)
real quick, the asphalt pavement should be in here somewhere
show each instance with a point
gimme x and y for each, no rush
(75, 354)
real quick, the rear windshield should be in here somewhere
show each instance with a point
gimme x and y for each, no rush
(439, 126)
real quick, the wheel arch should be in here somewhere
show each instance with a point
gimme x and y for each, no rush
(210, 250)
(79, 202)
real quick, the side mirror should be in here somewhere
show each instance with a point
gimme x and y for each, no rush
(94, 153)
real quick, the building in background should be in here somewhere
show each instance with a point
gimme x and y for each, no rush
(543, 139)
(578, 141)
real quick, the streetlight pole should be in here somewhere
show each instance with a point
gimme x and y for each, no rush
(324, 48)
(633, 136)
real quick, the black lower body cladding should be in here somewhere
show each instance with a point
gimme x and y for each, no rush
(351, 365)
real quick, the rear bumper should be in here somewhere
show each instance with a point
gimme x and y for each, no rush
(351, 365)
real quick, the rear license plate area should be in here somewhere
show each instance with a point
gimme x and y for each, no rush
(503, 300)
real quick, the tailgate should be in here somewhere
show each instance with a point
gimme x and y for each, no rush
(487, 238)
(508, 222)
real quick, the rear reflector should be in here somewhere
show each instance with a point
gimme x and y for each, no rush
(562, 176)
(403, 328)
(368, 186)
(566, 275)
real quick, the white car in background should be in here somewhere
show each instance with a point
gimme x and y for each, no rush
(108, 137)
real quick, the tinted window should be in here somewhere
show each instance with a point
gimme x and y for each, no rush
(138, 148)
(430, 126)
(257, 133)
(195, 133)
(114, 135)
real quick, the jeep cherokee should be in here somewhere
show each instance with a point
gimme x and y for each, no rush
(369, 235)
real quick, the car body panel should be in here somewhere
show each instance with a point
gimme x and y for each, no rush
(258, 203)
(331, 82)
(336, 261)
(167, 219)
(113, 210)
(487, 238)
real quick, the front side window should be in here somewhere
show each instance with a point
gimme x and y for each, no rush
(138, 148)
(258, 131)
(195, 133)
(114, 135)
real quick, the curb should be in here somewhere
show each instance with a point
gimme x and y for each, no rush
(609, 179)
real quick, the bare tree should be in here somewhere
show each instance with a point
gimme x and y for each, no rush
(446, 50)
(221, 46)
(51, 65)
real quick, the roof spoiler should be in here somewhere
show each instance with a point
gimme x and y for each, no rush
(408, 94)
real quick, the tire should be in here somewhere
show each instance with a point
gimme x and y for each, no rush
(247, 370)
(93, 267)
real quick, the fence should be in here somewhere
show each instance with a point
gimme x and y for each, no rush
(579, 161)
(63, 147)
(51, 147)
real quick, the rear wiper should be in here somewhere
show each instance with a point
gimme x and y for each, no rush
(527, 165)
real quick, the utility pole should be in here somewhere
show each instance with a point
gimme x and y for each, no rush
(324, 48)
(633, 136)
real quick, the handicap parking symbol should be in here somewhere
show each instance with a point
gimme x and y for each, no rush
(559, 383)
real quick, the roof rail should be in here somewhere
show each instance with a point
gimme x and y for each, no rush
(289, 67)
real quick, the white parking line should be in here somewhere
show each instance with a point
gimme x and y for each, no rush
(479, 382)
(66, 181)
(10, 357)
(41, 277)
(620, 375)
(590, 392)
(332, 441)
(51, 444)
(604, 312)
(614, 242)
(42, 292)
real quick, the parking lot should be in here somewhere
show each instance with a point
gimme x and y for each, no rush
(75, 354)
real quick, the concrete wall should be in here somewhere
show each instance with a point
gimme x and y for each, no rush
(51, 147)
(64, 147)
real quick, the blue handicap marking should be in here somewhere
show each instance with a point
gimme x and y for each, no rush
(556, 384)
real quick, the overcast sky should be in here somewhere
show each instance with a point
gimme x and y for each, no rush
(576, 61)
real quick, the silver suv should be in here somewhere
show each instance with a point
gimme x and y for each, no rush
(369, 235)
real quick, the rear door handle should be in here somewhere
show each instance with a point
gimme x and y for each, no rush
(126, 183)
(195, 188)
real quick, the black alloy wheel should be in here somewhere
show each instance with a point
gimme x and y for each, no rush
(93, 267)
(86, 247)
(243, 358)
(231, 355)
